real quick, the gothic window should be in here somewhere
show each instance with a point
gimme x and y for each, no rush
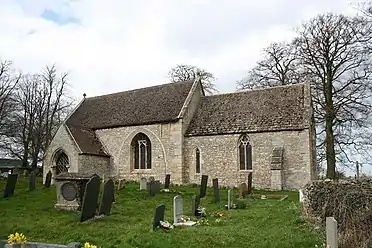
(245, 153)
(141, 151)
(62, 162)
(197, 160)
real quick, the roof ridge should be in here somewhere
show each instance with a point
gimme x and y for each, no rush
(138, 89)
(254, 90)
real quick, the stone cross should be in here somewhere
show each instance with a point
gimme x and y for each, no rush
(331, 232)
(177, 208)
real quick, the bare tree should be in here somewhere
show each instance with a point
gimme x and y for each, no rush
(41, 100)
(278, 67)
(8, 81)
(333, 54)
(181, 73)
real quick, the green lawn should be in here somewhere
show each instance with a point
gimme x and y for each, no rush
(264, 223)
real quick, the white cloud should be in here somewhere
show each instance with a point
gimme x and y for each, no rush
(118, 45)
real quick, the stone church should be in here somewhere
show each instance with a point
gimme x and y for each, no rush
(176, 129)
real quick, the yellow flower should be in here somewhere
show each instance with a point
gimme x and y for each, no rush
(16, 238)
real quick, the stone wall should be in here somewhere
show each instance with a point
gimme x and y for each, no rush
(61, 141)
(219, 158)
(166, 150)
(91, 164)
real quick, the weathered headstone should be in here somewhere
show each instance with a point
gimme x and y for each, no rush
(203, 186)
(121, 184)
(216, 190)
(243, 190)
(48, 179)
(331, 232)
(31, 181)
(143, 183)
(301, 195)
(167, 181)
(249, 186)
(89, 207)
(151, 179)
(177, 208)
(158, 216)
(195, 204)
(229, 199)
(10, 185)
(107, 198)
(153, 187)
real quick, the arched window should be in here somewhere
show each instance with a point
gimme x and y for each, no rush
(62, 162)
(141, 151)
(197, 160)
(245, 153)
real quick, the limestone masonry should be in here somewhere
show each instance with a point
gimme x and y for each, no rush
(175, 129)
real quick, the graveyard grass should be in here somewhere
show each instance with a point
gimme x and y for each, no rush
(264, 223)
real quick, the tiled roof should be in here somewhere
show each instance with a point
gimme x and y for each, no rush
(271, 109)
(156, 104)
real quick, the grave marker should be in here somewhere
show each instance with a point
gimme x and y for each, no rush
(194, 205)
(331, 232)
(243, 190)
(158, 216)
(229, 199)
(177, 209)
(10, 185)
(216, 190)
(89, 207)
(121, 184)
(167, 181)
(178, 213)
(203, 186)
(301, 195)
(31, 181)
(249, 186)
(48, 179)
(143, 183)
(107, 197)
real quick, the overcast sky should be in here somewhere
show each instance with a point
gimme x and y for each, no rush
(115, 45)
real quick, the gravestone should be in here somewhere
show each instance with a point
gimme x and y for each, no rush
(151, 179)
(167, 181)
(178, 213)
(243, 190)
(153, 187)
(249, 186)
(10, 185)
(177, 209)
(229, 199)
(143, 183)
(203, 186)
(121, 184)
(107, 198)
(89, 207)
(48, 179)
(331, 232)
(158, 216)
(301, 195)
(195, 204)
(216, 190)
(31, 181)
